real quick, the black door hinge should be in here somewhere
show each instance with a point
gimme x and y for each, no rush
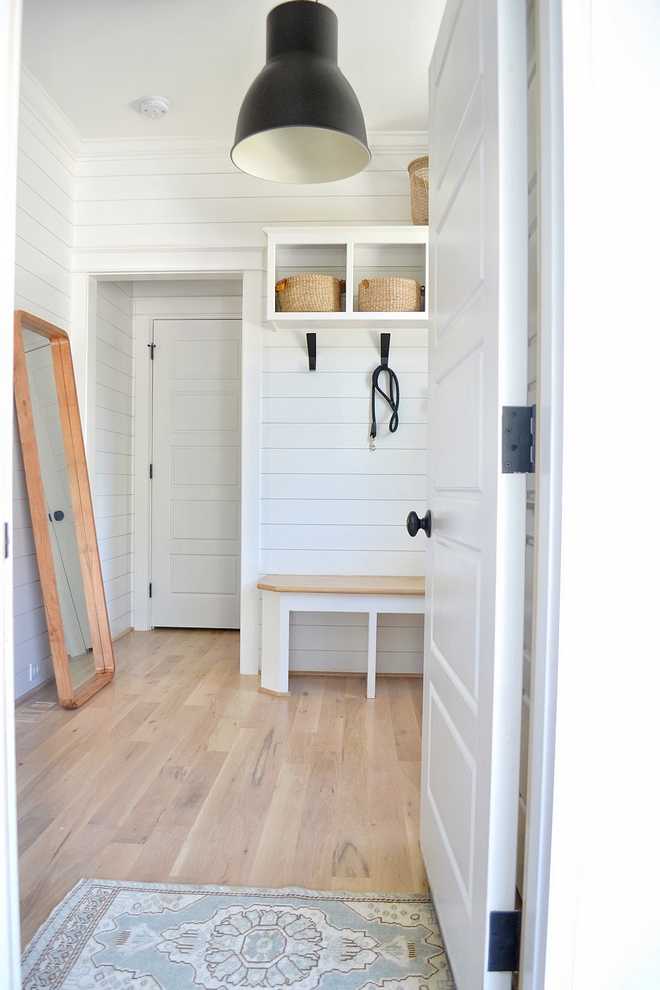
(151, 347)
(6, 540)
(150, 590)
(504, 942)
(518, 439)
(151, 470)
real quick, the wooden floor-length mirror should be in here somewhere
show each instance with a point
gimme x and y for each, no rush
(61, 509)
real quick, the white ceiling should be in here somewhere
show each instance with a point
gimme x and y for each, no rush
(96, 58)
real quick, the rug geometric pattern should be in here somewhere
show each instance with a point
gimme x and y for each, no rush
(116, 935)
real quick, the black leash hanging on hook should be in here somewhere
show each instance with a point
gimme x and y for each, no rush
(392, 398)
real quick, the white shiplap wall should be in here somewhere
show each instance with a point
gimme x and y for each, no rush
(157, 195)
(45, 216)
(330, 505)
(114, 474)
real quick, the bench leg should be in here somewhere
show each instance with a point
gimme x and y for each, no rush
(371, 656)
(275, 644)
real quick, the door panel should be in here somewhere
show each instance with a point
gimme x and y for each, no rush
(475, 558)
(196, 473)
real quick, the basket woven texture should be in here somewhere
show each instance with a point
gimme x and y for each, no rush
(389, 295)
(419, 190)
(310, 294)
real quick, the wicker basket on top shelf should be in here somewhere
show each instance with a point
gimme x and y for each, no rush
(419, 190)
(310, 294)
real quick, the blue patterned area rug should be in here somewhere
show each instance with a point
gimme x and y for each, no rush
(114, 935)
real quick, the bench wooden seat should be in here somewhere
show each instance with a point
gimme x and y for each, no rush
(286, 593)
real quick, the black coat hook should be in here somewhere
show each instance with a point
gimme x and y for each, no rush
(384, 349)
(311, 350)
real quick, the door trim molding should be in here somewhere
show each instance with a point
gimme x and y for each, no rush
(250, 269)
(547, 536)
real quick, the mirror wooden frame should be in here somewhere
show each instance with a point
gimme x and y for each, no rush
(90, 562)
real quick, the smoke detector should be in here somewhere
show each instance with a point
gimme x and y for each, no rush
(154, 106)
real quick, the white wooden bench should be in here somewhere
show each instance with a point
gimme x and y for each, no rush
(286, 593)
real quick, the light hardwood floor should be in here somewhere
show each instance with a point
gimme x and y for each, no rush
(180, 771)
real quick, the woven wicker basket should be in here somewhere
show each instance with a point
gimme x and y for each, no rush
(389, 295)
(419, 190)
(310, 294)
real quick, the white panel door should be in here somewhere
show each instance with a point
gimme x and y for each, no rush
(196, 474)
(475, 558)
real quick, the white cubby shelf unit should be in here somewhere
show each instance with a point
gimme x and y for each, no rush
(350, 253)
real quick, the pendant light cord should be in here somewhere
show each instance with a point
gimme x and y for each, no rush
(392, 400)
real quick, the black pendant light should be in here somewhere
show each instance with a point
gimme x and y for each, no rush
(300, 120)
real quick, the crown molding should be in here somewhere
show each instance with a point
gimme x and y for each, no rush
(35, 98)
(38, 102)
(152, 147)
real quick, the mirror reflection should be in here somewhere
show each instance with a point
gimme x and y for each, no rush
(59, 505)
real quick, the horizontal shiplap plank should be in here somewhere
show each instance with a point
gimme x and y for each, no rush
(216, 162)
(116, 381)
(32, 204)
(340, 361)
(52, 270)
(113, 421)
(114, 484)
(28, 598)
(113, 399)
(373, 487)
(322, 537)
(106, 506)
(111, 526)
(339, 340)
(37, 296)
(37, 179)
(26, 570)
(330, 411)
(245, 230)
(37, 141)
(118, 587)
(357, 512)
(368, 562)
(115, 567)
(321, 461)
(114, 355)
(32, 231)
(114, 443)
(93, 192)
(349, 385)
(116, 546)
(343, 436)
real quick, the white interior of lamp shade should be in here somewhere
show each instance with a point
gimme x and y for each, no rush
(300, 154)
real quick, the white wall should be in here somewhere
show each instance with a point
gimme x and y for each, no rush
(114, 473)
(330, 505)
(45, 216)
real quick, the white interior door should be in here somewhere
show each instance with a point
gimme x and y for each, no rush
(196, 474)
(475, 561)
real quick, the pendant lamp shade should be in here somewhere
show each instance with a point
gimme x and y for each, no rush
(300, 120)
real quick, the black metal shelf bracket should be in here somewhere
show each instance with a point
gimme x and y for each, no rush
(385, 349)
(311, 350)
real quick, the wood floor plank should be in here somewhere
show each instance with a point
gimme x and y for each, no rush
(180, 770)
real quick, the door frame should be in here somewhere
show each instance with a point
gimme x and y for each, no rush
(10, 50)
(547, 536)
(247, 265)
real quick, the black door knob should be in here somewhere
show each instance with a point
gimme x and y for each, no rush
(59, 515)
(414, 523)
